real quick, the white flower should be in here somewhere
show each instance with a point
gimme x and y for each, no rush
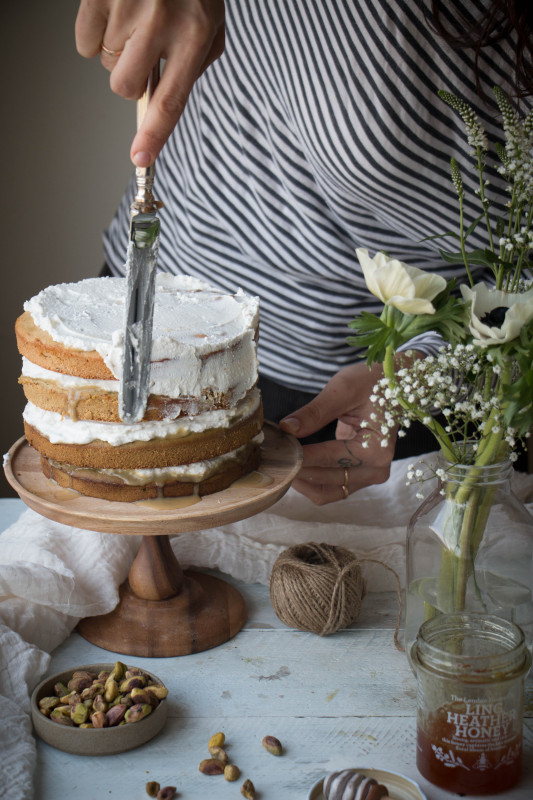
(484, 301)
(408, 289)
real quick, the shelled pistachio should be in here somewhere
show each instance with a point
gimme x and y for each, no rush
(109, 698)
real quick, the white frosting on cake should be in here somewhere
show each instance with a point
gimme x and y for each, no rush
(60, 429)
(202, 338)
(31, 370)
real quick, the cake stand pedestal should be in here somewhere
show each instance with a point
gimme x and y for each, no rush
(162, 611)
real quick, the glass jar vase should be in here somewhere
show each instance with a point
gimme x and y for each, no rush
(470, 671)
(470, 548)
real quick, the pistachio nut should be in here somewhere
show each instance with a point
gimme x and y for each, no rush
(273, 745)
(79, 714)
(99, 704)
(86, 725)
(128, 701)
(57, 716)
(131, 671)
(111, 689)
(139, 695)
(167, 793)
(103, 676)
(48, 703)
(211, 766)
(115, 715)
(219, 753)
(158, 691)
(135, 682)
(62, 711)
(216, 740)
(79, 684)
(91, 691)
(99, 719)
(152, 788)
(118, 671)
(60, 689)
(137, 712)
(248, 790)
(118, 700)
(231, 772)
(84, 673)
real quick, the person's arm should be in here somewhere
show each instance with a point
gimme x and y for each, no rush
(188, 34)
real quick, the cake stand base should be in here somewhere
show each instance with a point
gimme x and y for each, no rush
(162, 611)
(207, 612)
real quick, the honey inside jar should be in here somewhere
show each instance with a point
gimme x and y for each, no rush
(470, 748)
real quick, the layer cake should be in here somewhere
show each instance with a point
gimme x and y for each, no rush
(203, 422)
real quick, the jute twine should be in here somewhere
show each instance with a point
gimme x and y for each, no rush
(320, 588)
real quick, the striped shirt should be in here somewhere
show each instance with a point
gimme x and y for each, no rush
(318, 131)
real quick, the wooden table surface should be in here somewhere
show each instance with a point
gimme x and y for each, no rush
(340, 701)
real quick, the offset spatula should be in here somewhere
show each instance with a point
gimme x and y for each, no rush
(140, 288)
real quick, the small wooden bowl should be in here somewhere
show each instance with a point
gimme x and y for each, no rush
(93, 741)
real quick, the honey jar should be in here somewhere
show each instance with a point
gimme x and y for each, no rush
(470, 671)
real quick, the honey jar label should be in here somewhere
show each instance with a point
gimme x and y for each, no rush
(472, 737)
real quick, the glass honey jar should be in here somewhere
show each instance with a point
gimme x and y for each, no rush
(470, 671)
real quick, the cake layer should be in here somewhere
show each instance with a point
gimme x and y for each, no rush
(38, 346)
(131, 485)
(203, 341)
(83, 399)
(146, 445)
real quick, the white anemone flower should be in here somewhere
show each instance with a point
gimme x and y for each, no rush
(484, 301)
(408, 289)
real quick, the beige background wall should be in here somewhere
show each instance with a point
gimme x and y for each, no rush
(64, 150)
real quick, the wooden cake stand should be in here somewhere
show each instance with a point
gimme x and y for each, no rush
(162, 610)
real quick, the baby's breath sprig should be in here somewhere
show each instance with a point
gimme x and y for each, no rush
(420, 473)
(461, 387)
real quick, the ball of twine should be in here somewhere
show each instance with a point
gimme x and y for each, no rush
(317, 587)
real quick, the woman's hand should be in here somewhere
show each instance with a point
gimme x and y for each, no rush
(333, 470)
(189, 34)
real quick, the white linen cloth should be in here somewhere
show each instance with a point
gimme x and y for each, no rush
(52, 575)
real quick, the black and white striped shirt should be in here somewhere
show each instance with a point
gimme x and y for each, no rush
(319, 130)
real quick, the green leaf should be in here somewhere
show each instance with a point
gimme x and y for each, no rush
(441, 236)
(471, 228)
(374, 335)
(479, 257)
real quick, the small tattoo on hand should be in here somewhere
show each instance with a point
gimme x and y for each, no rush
(353, 461)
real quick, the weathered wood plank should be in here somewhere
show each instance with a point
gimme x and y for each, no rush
(313, 747)
(279, 673)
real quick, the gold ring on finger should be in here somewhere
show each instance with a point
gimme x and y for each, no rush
(344, 487)
(108, 52)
